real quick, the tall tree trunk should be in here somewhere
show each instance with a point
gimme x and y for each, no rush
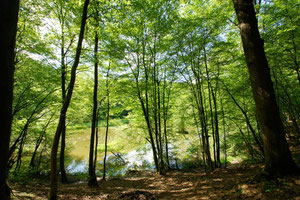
(8, 23)
(198, 96)
(97, 134)
(165, 106)
(107, 124)
(224, 134)
(156, 105)
(204, 126)
(278, 156)
(63, 173)
(147, 119)
(162, 167)
(92, 168)
(145, 102)
(67, 100)
(211, 92)
(96, 138)
(216, 118)
(199, 135)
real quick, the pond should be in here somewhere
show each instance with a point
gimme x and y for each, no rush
(117, 163)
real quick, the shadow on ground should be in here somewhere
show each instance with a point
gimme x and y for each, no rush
(236, 182)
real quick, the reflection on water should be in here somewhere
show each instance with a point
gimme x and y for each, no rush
(117, 163)
(77, 166)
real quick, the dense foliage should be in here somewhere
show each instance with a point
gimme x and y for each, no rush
(174, 72)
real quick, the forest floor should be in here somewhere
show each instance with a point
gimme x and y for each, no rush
(236, 182)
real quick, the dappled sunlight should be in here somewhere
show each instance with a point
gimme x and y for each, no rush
(217, 179)
(205, 187)
(220, 184)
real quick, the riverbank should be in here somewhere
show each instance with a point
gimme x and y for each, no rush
(236, 182)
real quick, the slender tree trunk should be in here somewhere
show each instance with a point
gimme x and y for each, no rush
(41, 155)
(216, 119)
(212, 121)
(278, 156)
(156, 130)
(247, 143)
(8, 23)
(145, 102)
(23, 134)
(198, 96)
(63, 143)
(205, 131)
(217, 134)
(96, 142)
(97, 134)
(156, 104)
(67, 100)
(159, 130)
(92, 173)
(107, 124)
(32, 160)
(211, 93)
(38, 143)
(199, 136)
(224, 134)
(165, 106)
(147, 119)
(253, 132)
(145, 105)
(63, 173)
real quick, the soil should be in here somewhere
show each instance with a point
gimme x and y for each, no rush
(235, 182)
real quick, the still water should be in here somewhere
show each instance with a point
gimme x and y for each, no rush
(117, 163)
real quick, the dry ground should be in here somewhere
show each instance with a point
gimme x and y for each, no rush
(232, 183)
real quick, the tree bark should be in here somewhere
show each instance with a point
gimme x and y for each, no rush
(67, 100)
(8, 23)
(278, 156)
(165, 105)
(224, 134)
(145, 102)
(107, 124)
(92, 165)
(63, 174)
(63, 91)
(212, 116)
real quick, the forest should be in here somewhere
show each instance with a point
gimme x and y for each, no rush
(150, 99)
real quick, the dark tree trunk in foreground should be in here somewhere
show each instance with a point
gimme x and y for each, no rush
(67, 100)
(278, 156)
(92, 165)
(8, 22)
